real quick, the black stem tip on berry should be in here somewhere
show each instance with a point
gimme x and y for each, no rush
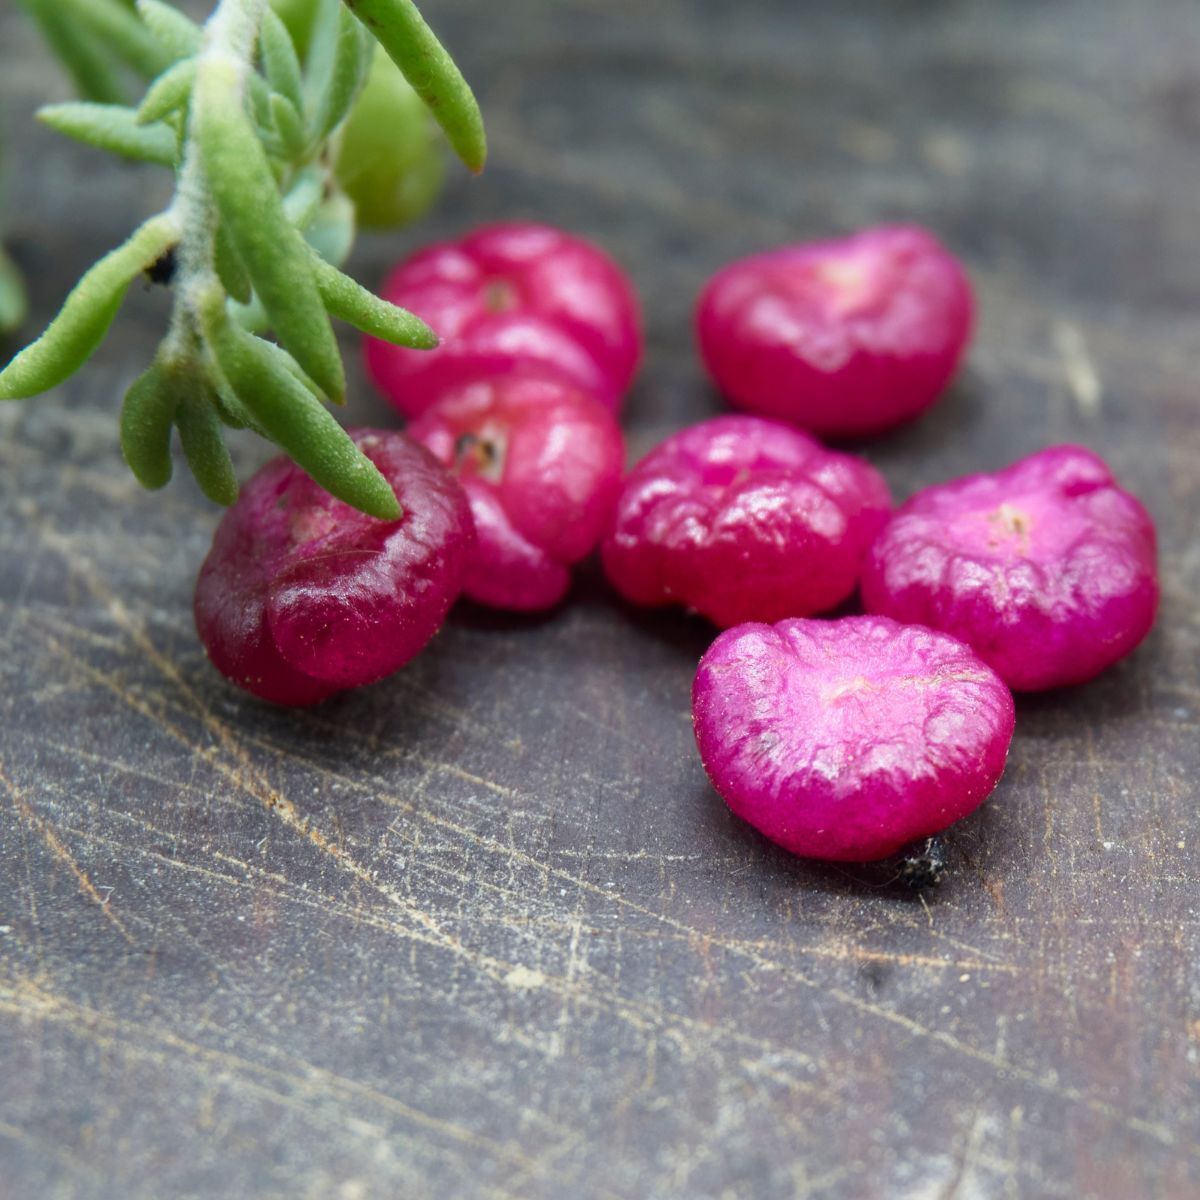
(926, 865)
(470, 445)
(162, 269)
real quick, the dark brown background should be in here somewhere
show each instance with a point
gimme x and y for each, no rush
(483, 929)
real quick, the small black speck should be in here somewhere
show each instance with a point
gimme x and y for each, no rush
(925, 866)
(874, 974)
(162, 269)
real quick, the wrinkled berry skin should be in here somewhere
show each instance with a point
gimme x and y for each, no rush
(845, 337)
(847, 739)
(302, 596)
(743, 519)
(1047, 569)
(541, 464)
(502, 299)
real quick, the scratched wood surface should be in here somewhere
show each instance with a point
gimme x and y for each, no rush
(483, 929)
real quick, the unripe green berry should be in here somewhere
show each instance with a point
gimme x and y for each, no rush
(390, 161)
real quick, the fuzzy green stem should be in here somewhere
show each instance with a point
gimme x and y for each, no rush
(229, 36)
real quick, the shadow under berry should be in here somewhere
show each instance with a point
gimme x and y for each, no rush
(943, 427)
(771, 867)
(1121, 692)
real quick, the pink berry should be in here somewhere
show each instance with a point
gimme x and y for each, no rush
(505, 297)
(843, 337)
(302, 595)
(846, 739)
(1048, 568)
(743, 519)
(541, 464)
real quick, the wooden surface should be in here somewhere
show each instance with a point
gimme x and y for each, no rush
(484, 930)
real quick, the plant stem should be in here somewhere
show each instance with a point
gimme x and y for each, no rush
(229, 38)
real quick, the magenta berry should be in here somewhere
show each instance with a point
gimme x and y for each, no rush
(302, 596)
(843, 337)
(1048, 568)
(504, 298)
(743, 519)
(847, 739)
(541, 464)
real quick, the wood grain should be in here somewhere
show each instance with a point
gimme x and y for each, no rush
(484, 930)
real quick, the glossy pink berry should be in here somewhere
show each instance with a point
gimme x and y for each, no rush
(843, 337)
(505, 298)
(302, 596)
(743, 519)
(847, 739)
(1048, 568)
(541, 464)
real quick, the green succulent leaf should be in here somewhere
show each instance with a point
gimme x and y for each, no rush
(84, 57)
(146, 417)
(118, 28)
(280, 62)
(341, 59)
(203, 442)
(260, 100)
(290, 124)
(289, 364)
(413, 47)
(168, 93)
(353, 303)
(84, 318)
(115, 128)
(303, 198)
(251, 316)
(292, 417)
(13, 302)
(230, 409)
(249, 203)
(298, 16)
(179, 36)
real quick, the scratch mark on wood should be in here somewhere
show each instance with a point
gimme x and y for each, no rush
(1079, 369)
(497, 969)
(42, 1147)
(60, 851)
(642, 1016)
(248, 777)
(24, 998)
(966, 1159)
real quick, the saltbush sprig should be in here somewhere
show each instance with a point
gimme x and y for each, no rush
(254, 235)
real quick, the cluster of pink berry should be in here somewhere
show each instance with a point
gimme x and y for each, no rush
(839, 738)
